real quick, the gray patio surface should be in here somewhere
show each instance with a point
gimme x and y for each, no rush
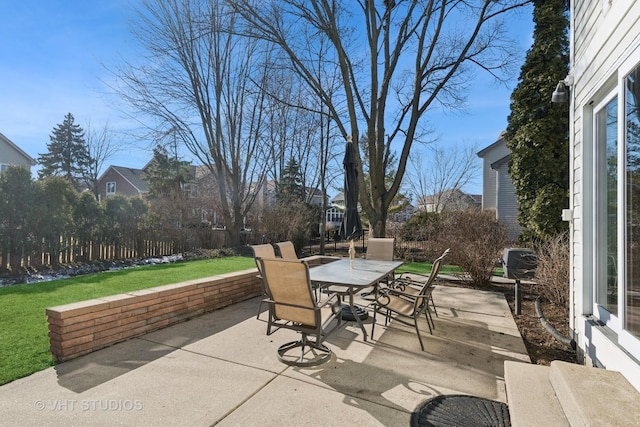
(221, 369)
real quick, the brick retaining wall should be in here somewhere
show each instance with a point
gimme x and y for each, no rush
(80, 328)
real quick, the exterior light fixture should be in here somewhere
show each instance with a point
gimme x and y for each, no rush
(561, 94)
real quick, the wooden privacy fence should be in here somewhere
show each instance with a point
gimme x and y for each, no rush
(69, 250)
(73, 251)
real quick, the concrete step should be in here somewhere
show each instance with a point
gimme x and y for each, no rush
(567, 394)
(594, 397)
(531, 398)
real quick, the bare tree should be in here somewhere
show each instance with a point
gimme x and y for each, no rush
(101, 148)
(202, 84)
(299, 128)
(448, 172)
(397, 60)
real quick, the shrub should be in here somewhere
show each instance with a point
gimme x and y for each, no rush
(296, 222)
(552, 272)
(476, 239)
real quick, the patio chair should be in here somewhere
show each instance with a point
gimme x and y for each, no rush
(295, 307)
(380, 249)
(263, 251)
(287, 250)
(408, 283)
(408, 305)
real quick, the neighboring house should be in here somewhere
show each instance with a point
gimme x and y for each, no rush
(404, 214)
(604, 214)
(333, 218)
(12, 155)
(122, 180)
(338, 201)
(449, 200)
(314, 196)
(498, 192)
(267, 195)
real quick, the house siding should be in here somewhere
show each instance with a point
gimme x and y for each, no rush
(604, 35)
(498, 192)
(123, 186)
(490, 155)
(507, 203)
(10, 154)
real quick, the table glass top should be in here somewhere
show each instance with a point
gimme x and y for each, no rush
(363, 273)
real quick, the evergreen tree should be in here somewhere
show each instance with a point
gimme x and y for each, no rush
(290, 189)
(67, 154)
(17, 199)
(167, 175)
(57, 200)
(538, 130)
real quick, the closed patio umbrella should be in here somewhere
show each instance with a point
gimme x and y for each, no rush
(351, 227)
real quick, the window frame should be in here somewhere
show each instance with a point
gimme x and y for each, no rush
(615, 89)
(612, 320)
(107, 185)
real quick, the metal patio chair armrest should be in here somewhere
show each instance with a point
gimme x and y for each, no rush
(402, 281)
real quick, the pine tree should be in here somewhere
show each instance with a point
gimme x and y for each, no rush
(538, 130)
(67, 154)
(167, 175)
(290, 189)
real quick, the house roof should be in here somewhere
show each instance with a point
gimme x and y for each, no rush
(485, 150)
(500, 162)
(132, 175)
(18, 149)
(457, 193)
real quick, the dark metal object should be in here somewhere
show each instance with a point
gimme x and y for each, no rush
(460, 411)
(347, 314)
(518, 263)
(304, 348)
(518, 297)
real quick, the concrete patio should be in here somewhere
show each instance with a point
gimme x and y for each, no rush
(221, 369)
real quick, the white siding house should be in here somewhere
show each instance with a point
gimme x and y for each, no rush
(604, 213)
(12, 155)
(498, 192)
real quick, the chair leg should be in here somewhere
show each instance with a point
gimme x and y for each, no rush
(418, 332)
(433, 304)
(270, 319)
(430, 323)
(259, 310)
(373, 325)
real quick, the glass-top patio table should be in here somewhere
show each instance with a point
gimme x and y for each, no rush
(362, 274)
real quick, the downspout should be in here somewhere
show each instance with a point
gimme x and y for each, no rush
(569, 342)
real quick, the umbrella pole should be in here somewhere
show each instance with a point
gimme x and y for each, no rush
(352, 251)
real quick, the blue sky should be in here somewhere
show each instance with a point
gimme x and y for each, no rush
(56, 56)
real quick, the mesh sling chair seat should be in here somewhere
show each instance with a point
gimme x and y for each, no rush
(408, 306)
(287, 250)
(295, 307)
(380, 248)
(263, 251)
(412, 283)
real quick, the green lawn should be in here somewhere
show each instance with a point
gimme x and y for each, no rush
(24, 341)
(425, 268)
